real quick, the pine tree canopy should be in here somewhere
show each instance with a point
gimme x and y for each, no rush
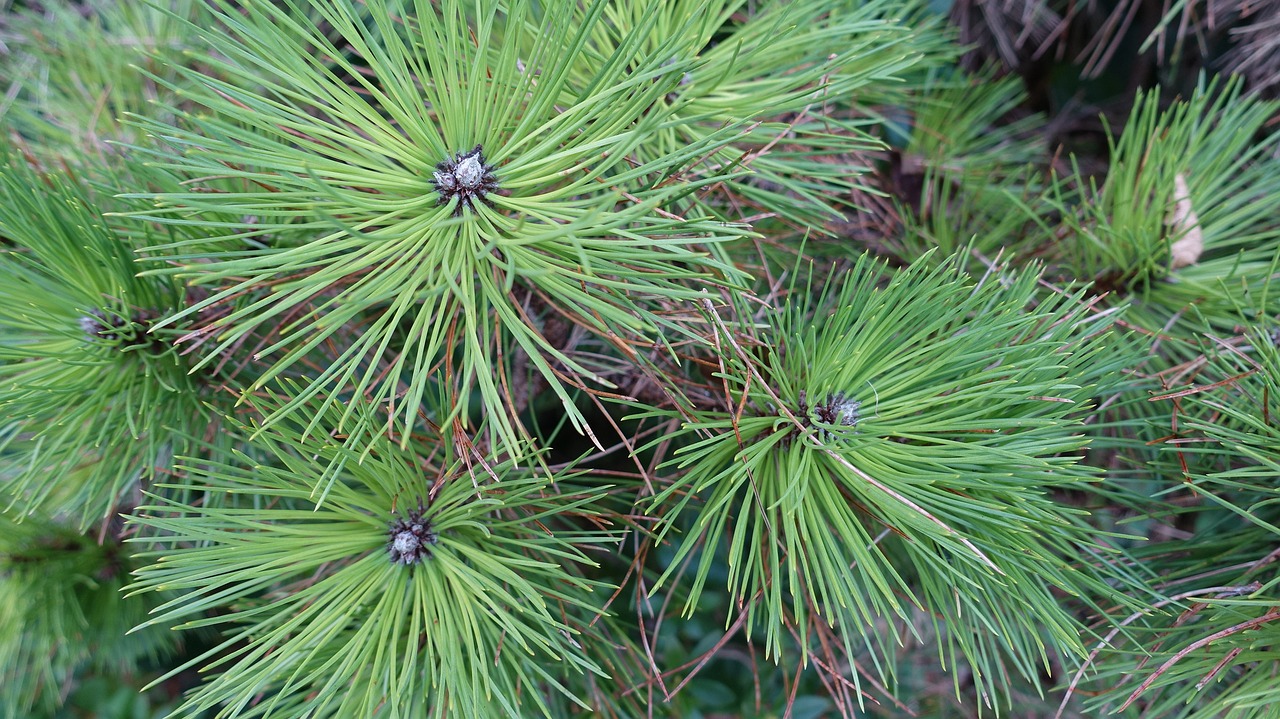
(454, 359)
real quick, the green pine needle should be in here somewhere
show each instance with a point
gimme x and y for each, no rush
(335, 145)
(897, 443)
(62, 612)
(1121, 235)
(94, 401)
(333, 612)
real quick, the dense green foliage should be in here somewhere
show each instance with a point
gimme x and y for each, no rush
(519, 358)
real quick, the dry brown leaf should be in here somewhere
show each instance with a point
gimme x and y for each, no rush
(1184, 225)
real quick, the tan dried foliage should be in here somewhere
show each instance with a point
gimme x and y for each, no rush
(1184, 227)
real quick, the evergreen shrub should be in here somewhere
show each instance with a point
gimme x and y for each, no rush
(556, 358)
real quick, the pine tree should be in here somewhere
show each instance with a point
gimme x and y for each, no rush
(431, 358)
